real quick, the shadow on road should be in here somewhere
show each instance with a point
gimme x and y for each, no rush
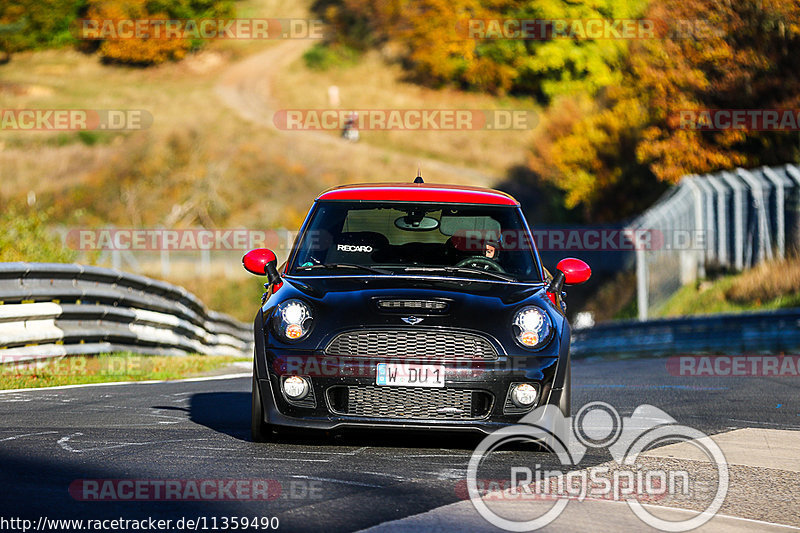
(229, 413)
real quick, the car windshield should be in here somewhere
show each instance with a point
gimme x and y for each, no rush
(389, 238)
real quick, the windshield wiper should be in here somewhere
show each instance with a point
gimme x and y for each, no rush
(330, 266)
(463, 270)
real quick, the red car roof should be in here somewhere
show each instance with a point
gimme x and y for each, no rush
(418, 192)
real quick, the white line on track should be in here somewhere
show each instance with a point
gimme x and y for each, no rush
(342, 481)
(28, 435)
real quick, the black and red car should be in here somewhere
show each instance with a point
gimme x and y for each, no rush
(410, 305)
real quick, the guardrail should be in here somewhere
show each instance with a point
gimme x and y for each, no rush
(750, 333)
(55, 309)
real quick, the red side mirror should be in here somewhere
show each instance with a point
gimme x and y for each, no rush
(262, 262)
(255, 261)
(575, 271)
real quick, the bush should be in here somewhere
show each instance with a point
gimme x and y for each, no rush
(325, 56)
(26, 24)
(25, 236)
(30, 24)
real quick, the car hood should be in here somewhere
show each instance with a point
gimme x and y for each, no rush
(347, 302)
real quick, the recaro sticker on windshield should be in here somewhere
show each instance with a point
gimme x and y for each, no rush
(353, 248)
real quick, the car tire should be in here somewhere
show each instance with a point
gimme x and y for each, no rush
(260, 431)
(565, 402)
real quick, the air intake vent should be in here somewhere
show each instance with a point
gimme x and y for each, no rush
(410, 403)
(413, 305)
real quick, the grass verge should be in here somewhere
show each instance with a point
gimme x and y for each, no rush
(107, 368)
(770, 286)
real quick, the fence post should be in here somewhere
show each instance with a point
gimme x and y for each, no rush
(641, 283)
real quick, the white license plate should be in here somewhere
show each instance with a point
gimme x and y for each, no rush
(409, 375)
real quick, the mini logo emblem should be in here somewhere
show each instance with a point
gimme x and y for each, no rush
(411, 320)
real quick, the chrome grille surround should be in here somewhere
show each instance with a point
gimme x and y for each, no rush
(423, 343)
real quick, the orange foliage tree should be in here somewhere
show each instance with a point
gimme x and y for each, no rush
(148, 49)
(617, 152)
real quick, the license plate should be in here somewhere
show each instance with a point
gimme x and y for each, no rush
(409, 375)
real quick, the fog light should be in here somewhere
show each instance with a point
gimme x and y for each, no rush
(524, 395)
(295, 387)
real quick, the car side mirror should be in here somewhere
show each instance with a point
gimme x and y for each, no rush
(569, 271)
(262, 262)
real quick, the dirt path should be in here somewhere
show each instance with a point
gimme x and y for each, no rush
(246, 88)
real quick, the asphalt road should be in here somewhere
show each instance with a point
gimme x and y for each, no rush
(200, 430)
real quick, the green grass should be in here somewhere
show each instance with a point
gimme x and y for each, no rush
(762, 289)
(323, 57)
(108, 368)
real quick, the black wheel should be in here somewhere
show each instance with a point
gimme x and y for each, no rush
(260, 431)
(565, 403)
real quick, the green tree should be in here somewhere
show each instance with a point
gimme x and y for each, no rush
(26, 24)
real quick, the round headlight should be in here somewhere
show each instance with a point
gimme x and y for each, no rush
(532, 327)
(293, 320)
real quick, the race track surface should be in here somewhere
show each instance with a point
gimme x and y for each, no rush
(200, 430)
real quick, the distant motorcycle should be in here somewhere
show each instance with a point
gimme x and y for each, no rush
(350, 131)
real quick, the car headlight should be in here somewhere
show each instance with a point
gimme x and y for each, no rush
(292, 320)
(532, 327)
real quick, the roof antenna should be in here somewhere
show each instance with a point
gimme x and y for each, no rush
(419, 179)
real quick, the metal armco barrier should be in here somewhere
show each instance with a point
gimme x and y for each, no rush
(730, 334)
(55, 309)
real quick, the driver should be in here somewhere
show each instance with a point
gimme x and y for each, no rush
(491, 250)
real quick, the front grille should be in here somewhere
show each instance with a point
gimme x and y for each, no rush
(411, 343)
(410, 403)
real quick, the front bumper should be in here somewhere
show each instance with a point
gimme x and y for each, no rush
(330, 377)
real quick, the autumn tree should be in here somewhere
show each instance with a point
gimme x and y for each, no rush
(430, 38)
(628, 142)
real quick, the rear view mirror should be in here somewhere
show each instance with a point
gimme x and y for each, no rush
(411, 223)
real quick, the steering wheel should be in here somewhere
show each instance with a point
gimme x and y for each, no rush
(481, 263)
